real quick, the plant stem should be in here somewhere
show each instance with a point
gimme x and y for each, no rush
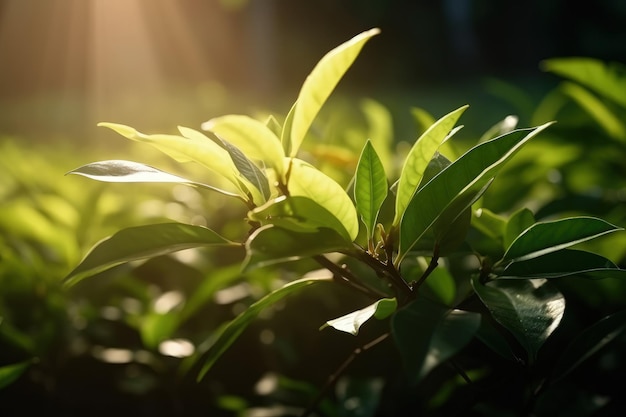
(345, 276)
(434, 262)
(386, 270)
(332, 379)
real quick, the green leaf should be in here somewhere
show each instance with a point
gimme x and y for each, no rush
(427, 334)
(419, 157)
(489, 223)
(143, 242)
(370, 187)
(589, 342)
(320, 83)
(300, 214)
(517, 223)
(530, 309)
(249, 171)
(228, 333)
(271, 244)
(10, 373)
(551, 236)
(352, 322)
(380, 131)
(129, 171)
(252, 137)
(306, 180)
(563, 263)
(467, 176)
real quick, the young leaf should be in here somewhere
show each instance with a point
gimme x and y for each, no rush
(300, 214)
(418, 158)
(143, 242)
(530, 309)
(380, 132)
(249, 171)
(587, 343)
(370, 187)
(352, 322)
(252, 137)
(271, 244)
(517, 223)
(469, 175)
(306, 180)
(227, 334)
(563, 263)
(320, 83)
(551, 236)
(129, 171)
(427, 334)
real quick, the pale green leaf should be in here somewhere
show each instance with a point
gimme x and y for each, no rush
(370, 187)
(227, 334)
(418, 158)
(352, 322)
(143, 242)
(320, 83)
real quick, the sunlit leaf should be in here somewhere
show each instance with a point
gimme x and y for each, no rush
(352, 322)
(271, 244)
(249, 171)
(143, 242)
(306, 180)
(589, 342)
(468, 175)
(370, 187)
(530, 309)
(129, 171)
(418, 158)
(320, 83)
(300, 214)
(10, 373)
(427, 334)
(551, 236)
(517, 223)
(254, 138)
(228, 333)
(380, 132)
(563, 263)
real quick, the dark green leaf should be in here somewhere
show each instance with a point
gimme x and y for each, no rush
(530, 309)
(590, 341)
(517, 223)
(428, 334)
(467, 176)
(248, 169)
(370, 187)
(144, 242)
(566, 262)
(271, 244)
(228, 333)
(10, 373)
(551, 236)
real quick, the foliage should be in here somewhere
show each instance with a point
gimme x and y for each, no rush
(467, 295)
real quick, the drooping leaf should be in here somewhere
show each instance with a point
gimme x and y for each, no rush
(129, 171)
(320, 83)
(252, 137)
(467, 176)
(419, 157)
(517, 223)
(306, 180)
(551, 236)
(300, 214)
(352, 322)
(530, 309)
(589, 342)
(563, 263)
(370, 187)
(192, 147)
(228, 333)
(271, 244)
(143, 242)
(249, 171)
(427, 334)
(10, 373)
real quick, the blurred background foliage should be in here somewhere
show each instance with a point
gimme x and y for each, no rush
(126, 340)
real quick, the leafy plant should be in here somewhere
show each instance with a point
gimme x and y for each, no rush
(441, 271)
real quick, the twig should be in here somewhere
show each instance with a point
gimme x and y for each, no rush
(345, 276)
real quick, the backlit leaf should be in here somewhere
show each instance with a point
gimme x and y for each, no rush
(143, 242)
(352, 322)
(530, 309)
(250, 172)
(370, 187)
(320, 83)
